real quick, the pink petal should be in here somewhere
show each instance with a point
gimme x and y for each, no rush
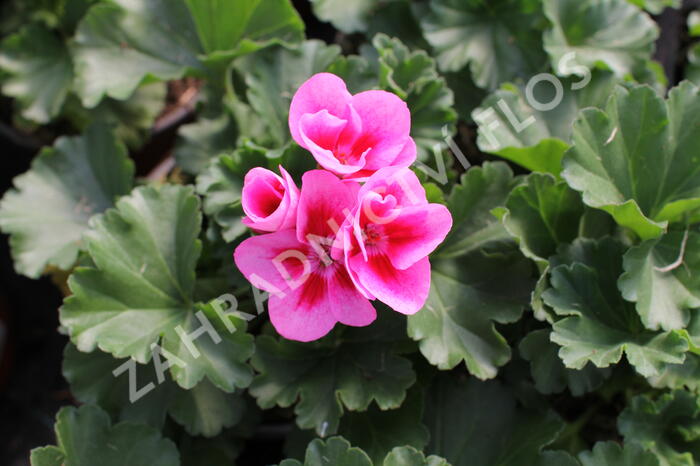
(310, 312)
(323, 91)
(405, 291)
(407, 155)
(415, 233)
(303, 314)
(269, 201)
(324, 204)
(274, 262)
(386, 124)
(399, 182)
(320, 132)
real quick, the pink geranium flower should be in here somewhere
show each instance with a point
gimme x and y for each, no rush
(351, 135)
(269, 200)
(389, 238)
(310, 289)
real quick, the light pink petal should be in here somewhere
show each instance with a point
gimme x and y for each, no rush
(415, 233)
(323, 91)
(319, 133)
(348, 305)
(303, 314)
(291, 200)
(407, 155)
(324, 204)
(273, 262)
(399, 182)
(386, 124)
(352, 246)
(405, 291)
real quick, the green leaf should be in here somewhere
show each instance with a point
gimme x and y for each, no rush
(40, 71)
(612, 454)
(46, 456)
(202, 141)
(235, 27)
(656, 6)
(692, 70)
(413, 77)
(668, 427)
(599, 325)
(409, 456)
(533, 129)
(48, 211)
(145, 252)
(273, 75)
(132, 119)
(347, 16)
(549, 372)
(541, 214)
(677, 376)
(203, 410)
(481, 190)
(467, 296)
(474, 422)
(336, 451)
(659, 278)
(499, 40)
(85, 436)
(635, 159)
(120, 44)
(328, 377)
(377, 431)
(591, 33)
(221, 185)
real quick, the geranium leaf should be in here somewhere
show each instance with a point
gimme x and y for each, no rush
(48, 211)
(541, 214)
(137, 240)
(466, 296)
(409, 456)
(377, 431)
(481, 190)
(612, 454)
(221, 184)
(347, 16)
(85, 436)
(202, 141)
(228, 28)
(413, 77)
(327, 378)
(549, 372)
(474, 422)
(668, 426)
(590, 32)
(599, 325)
(273, 76)
(677, 376)
(656, 6)
(119, 44)
(335, 451)
(132, 118)
(659, 278)
(499, 40)
(203, 410)
(525, 129)
(40, 70)
(632, 159)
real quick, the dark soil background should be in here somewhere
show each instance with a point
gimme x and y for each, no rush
(32, 388)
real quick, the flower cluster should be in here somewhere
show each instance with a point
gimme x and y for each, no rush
(328, 249)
